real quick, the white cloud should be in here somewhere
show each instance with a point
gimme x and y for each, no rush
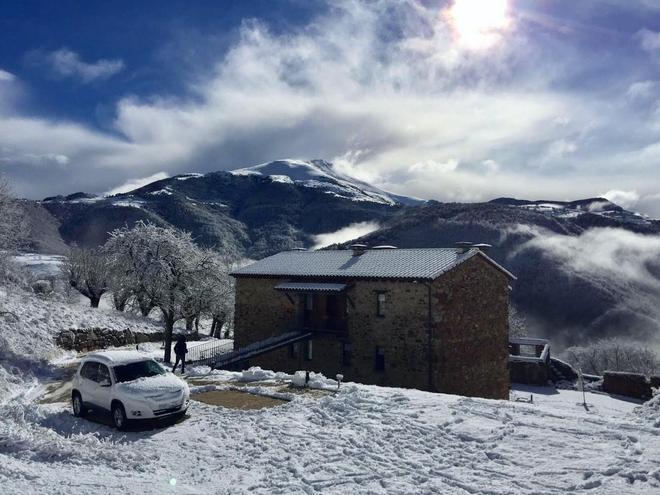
(384, 86)
(132, 184)
(345, 234)
(615, 257)
(432, 166)
(642, 90)
(649, 40)
(6, 76)
(67, 63)
(625, 199)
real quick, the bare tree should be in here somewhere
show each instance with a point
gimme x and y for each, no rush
(221, 298)
(12, 231)
(517, 323)
(164, 267)
(613, 355)
(121, 293)
(127, 250)
(86, 270)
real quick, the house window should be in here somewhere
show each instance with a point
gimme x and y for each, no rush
(308, 351)
(346, 354)
(309, 302)
(379, 364)
(380, 303)
(293, 351)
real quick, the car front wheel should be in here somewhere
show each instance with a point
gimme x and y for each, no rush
(79, 410)
(119, 416)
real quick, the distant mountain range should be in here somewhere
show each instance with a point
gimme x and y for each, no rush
(261, 210)
(254, 211)
(586, 269)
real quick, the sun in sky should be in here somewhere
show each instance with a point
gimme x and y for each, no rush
(479, 24)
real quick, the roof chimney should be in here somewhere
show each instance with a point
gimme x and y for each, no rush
(482, 247)
(463, 246)
(358, 249)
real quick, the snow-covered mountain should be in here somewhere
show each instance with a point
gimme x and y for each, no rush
(595, 208)
(322, 175)
(254, 211)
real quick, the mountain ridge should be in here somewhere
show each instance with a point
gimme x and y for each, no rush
(258, 211)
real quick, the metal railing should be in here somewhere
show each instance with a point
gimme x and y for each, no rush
(541, 350)
(207, 351)
(257, 348)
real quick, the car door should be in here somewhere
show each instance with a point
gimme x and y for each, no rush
(103, 387)
(88, 384)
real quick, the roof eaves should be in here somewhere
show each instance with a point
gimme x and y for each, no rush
(498, 266)
(332, 277)
(459, 260)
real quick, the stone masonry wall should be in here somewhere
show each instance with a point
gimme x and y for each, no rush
(91, 339)
(261, 311)
(469, 324)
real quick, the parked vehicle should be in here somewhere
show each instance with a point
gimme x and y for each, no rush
(128, 385)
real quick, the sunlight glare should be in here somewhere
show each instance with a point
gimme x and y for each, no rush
(479, 24)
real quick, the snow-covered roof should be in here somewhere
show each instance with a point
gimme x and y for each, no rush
(117, 357)
(413, 264)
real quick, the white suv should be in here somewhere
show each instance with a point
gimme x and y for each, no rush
(129, 385)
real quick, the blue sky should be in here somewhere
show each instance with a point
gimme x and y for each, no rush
(457, 100)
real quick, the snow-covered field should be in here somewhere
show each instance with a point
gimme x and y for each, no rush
(361, 439)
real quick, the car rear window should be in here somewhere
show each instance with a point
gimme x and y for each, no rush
(139, 369)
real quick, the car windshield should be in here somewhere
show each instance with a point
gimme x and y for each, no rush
(139, 369)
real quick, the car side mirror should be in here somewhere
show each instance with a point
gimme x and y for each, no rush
(105, 383)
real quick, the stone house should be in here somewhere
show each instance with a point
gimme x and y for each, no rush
(432, 319)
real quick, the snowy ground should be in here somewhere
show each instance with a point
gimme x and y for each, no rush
(362, 439)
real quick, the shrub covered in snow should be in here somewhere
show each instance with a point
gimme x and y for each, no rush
(613, 355)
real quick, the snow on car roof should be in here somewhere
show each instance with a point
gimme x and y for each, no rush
(118, 357)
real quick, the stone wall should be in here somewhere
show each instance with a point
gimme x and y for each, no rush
(629, 384)
(529, 373)
(91, 339)
(469, 331)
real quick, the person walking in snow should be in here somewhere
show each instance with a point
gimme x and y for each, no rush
(180, 350)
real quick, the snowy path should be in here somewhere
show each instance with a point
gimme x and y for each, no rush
(361, 440)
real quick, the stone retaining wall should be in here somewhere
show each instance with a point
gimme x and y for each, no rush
(629, 384)
(90, 339)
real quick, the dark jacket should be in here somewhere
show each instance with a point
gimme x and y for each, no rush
(180, 348)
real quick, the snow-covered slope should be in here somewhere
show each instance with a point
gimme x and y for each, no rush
(38, 318)
(322, 174)
(598, 207)
(363, 439)
(360, 439)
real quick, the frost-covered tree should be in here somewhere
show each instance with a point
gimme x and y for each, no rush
(122, 293)
(86, 270)
(129, 267)
(12, 231)
(613, 355)
(219, 294)
(164, 267)
(517, 323)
